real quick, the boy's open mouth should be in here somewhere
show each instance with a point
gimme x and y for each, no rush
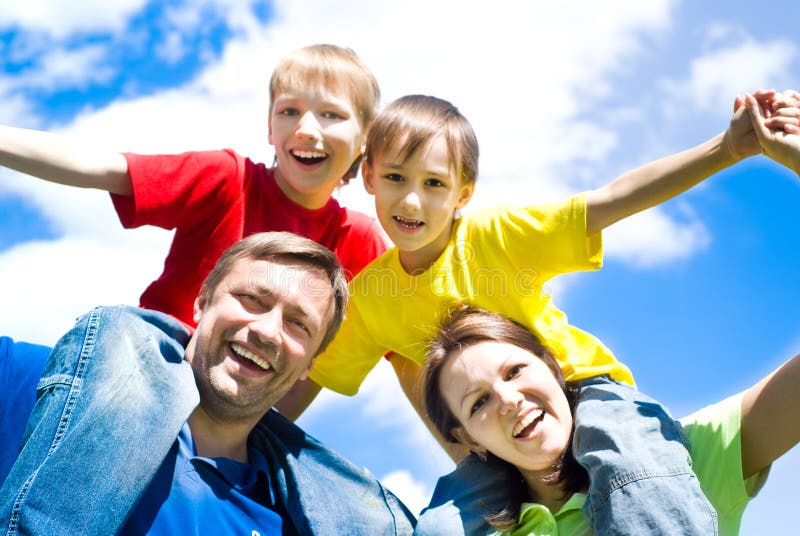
(309, 156)
(408, 224)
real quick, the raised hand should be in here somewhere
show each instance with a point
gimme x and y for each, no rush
(740, 138)
(777, 127)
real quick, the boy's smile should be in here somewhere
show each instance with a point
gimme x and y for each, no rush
(317, 136)
(416, 200)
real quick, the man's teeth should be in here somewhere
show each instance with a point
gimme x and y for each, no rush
(527, 421)
(250, 356)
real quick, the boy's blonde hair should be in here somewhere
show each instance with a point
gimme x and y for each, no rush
(412, 121)
(328, 66)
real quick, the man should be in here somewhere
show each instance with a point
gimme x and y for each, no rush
(118, 443)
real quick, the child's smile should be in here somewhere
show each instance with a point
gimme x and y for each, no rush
(317, 137)
(416, 199)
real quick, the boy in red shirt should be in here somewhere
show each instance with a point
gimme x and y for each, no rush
(322, 101)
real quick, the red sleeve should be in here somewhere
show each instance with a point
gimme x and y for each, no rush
(177, 190)
(364, 243)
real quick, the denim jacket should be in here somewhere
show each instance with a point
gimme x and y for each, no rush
(113, 397)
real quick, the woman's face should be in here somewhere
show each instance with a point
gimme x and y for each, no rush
(509, 403)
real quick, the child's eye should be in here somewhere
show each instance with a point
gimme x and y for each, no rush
(331, 115)
(394, 177)
(289, 112)
(514, 372)
(436, 183)
(477, 405)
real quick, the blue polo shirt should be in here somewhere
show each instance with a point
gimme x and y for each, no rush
(193, 494)
(21, 366)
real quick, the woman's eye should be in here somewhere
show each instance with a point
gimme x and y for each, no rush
(514, 371)
(477, 405)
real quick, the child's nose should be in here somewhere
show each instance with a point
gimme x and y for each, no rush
(308, 126)
(411, 200)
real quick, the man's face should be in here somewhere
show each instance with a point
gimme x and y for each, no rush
(256, 335)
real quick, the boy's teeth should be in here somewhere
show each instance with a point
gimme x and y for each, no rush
(524, 423)
(407, 223)
(238, 350)
(309, 154)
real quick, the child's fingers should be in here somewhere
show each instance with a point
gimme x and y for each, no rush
(762, 132)
(779, 123)
(791, 129)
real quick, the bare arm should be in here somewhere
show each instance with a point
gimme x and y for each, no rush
(771, 417)
(52, 158)
(663, 179)
(299, 397)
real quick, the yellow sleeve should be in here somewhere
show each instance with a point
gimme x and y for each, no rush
(551, 238)
(350, 356)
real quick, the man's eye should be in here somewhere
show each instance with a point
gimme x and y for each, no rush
(299, 324)
(477, 405)
(514, 371)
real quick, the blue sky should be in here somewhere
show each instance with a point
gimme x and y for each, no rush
(696, 296)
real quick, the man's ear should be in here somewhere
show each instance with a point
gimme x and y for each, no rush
(199, 305)
(369, 178)
(304, 375)
(465, 439)
(465, 195)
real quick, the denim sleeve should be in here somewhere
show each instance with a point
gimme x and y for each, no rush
(113, 395)
(463, 499)
(641, 478)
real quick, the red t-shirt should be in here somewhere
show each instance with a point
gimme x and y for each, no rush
(214, 198)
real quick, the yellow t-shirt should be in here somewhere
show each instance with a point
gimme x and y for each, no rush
(714, 433)
(499, 259)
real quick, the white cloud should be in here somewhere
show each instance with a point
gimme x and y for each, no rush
(722, 73)
(60, 19)
(415, 495)
(65, 69)
(651, 238)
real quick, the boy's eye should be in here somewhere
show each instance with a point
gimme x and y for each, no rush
(477, 405)
(436, 183)
(394, 177)
(331, 115)
(514, 371)
(290, 112)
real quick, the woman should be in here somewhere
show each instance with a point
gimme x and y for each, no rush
(493, 387)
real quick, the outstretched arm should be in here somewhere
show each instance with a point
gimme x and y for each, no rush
(771, 418)
(54, 159)
(663, 179)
